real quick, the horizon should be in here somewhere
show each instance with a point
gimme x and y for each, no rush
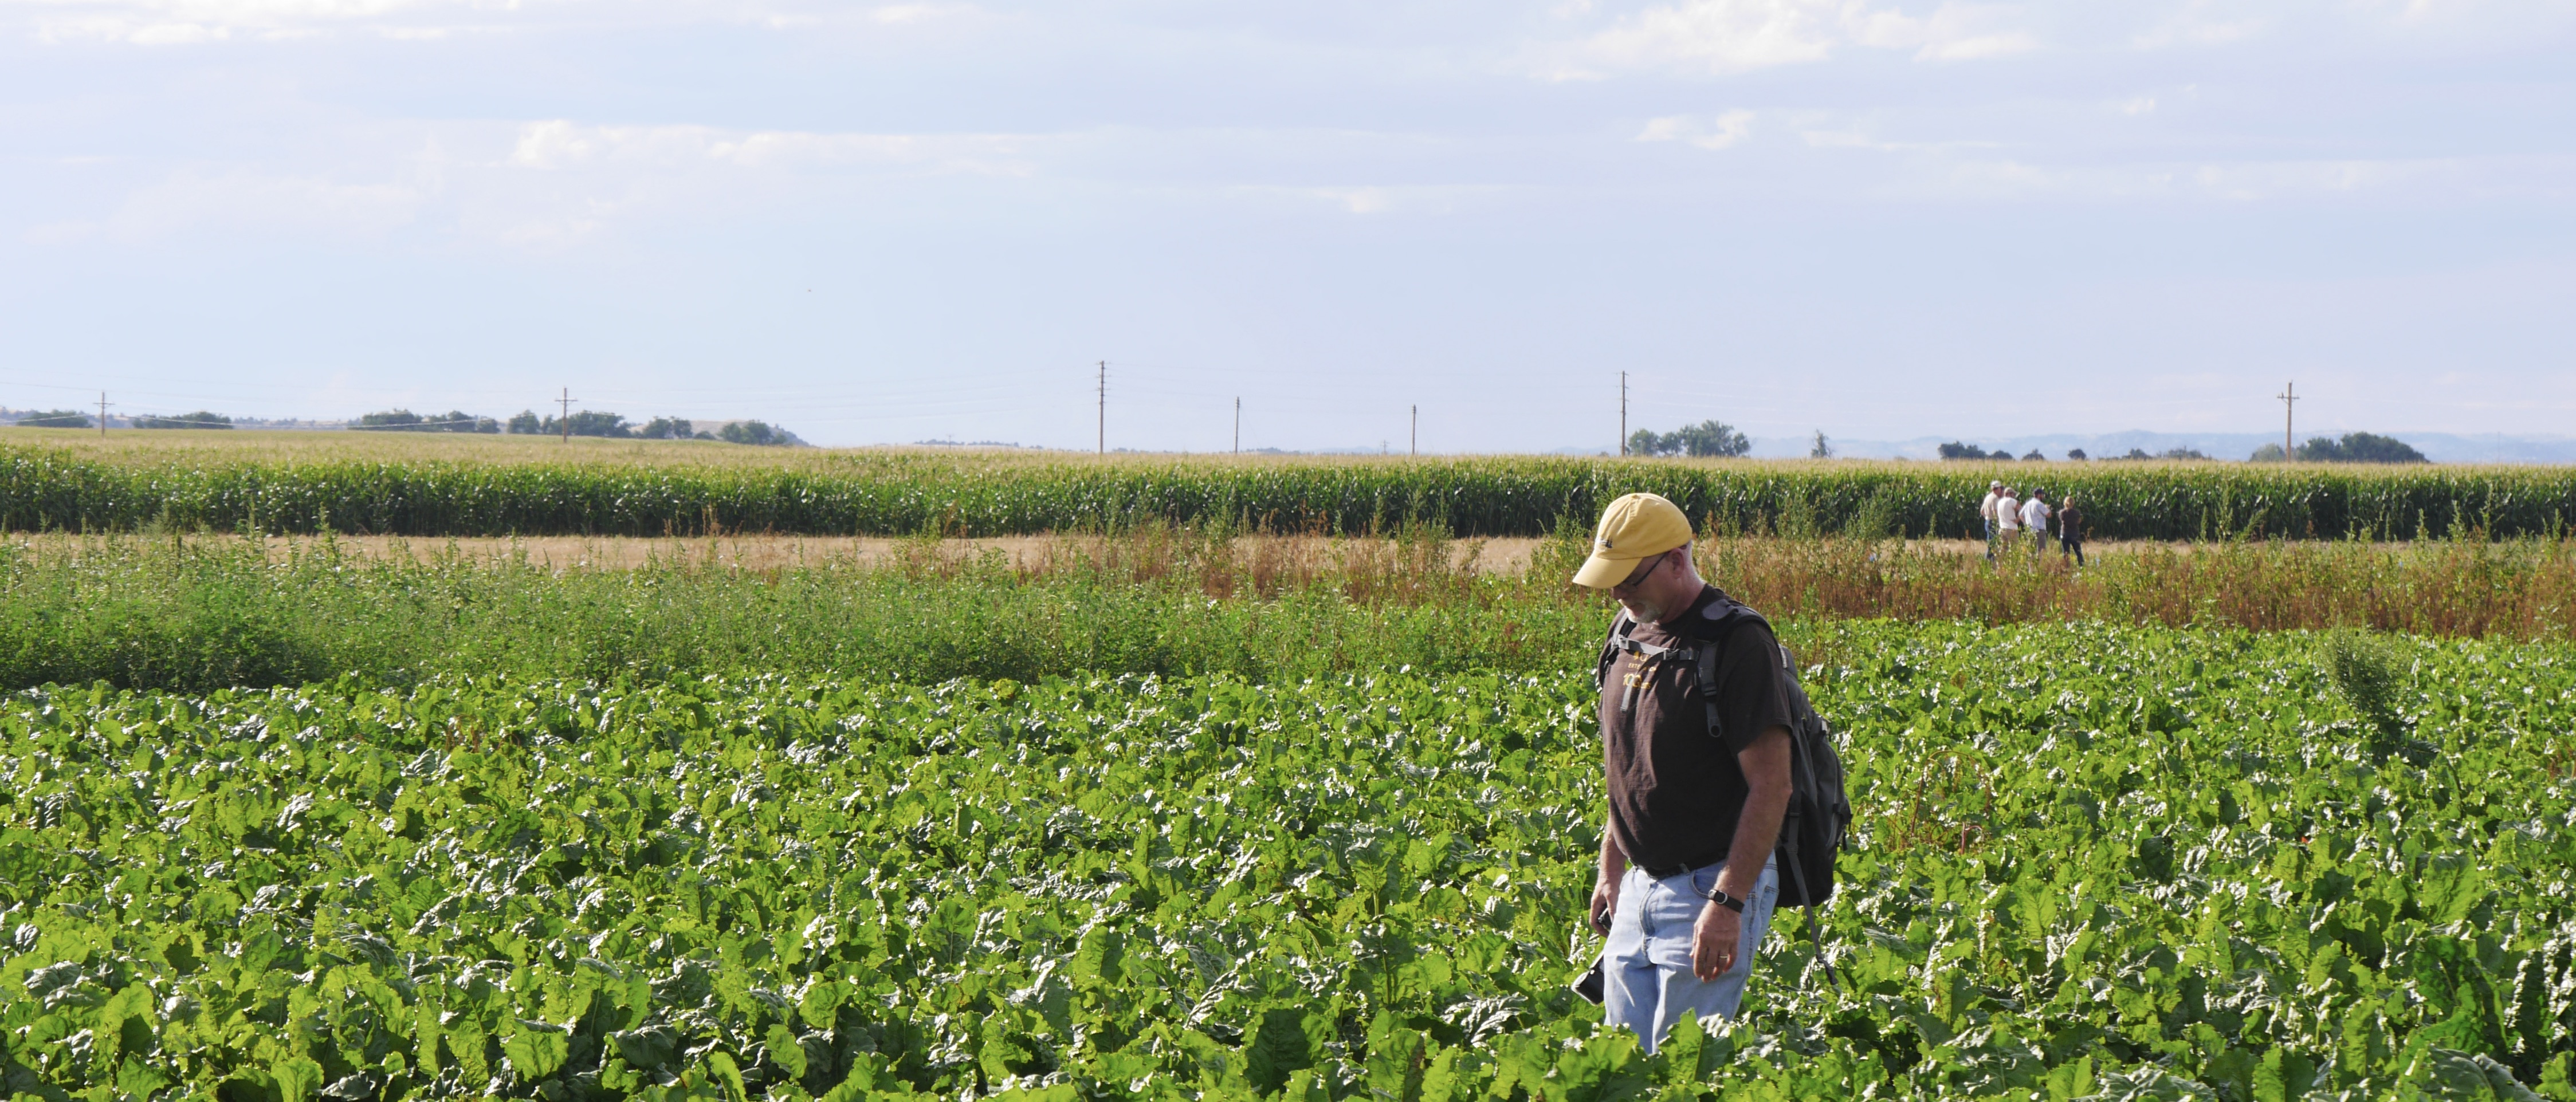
(2537, 450)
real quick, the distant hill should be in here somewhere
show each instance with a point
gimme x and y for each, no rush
(2440, 447)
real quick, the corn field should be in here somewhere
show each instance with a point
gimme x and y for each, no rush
(900, 493)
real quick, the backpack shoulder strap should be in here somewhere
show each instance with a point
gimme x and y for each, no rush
(1726, 615)
(1620, 626)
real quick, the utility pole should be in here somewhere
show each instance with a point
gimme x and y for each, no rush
(566, 419)
(2289, 397)
(1623, 415)
(1104, 407)
(1413, 447)
(102, 415)
(1238, 426)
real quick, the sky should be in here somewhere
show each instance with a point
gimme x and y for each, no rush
(899, 222)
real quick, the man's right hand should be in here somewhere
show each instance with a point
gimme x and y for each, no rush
(1605, 902)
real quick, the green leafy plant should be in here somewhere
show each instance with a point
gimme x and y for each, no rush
(2091, 861)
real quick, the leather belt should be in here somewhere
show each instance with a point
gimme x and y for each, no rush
(1670, 871)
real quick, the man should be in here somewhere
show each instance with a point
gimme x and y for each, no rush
(2034, 516)
(2007, 519)
(1994, 492)
(1686, 881)
(2070, 530)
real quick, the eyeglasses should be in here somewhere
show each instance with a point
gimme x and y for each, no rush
(1639, 578)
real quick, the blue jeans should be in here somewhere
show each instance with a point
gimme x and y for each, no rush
(1646, 968)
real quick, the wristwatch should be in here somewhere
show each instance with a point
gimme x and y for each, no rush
(1719, 897)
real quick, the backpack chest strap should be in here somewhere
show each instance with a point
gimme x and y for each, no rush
(1649, 653)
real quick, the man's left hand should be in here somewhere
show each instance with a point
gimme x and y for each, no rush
(1713, 941)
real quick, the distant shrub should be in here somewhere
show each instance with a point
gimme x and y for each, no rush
(2360, 447)
(403, 420)
(589, 422)
(55, 419)
(198, 420)
(752, 432)
(1708, 439)
(665, 428)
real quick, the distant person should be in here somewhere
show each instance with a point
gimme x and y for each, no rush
(2007, 519)
(2034, 516)
(2070, 530)
(1994, 493)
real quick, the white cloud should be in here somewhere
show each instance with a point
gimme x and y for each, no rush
(1371, 199)
(171, 22)
(1721, 35)
(561, 144)
(542, 184)
(1718, 133)
(1978, 178)
(1724, 36)
(2137, 105)
(186, 22)
(2203, 23)
(905, 14)
(1953, 32)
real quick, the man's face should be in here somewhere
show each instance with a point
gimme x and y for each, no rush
(1644, 593)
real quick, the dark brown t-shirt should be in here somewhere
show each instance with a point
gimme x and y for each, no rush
(1676, 789)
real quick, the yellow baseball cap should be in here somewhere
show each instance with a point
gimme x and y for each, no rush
(1633, 528)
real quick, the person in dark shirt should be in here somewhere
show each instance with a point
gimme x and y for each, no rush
(1686, 881)
(2070, 530)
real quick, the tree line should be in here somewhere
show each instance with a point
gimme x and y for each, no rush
(585, 423)
(1707, 439)
(2354, 447)
(591, 422)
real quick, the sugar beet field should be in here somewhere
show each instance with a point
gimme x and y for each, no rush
(2113, 855)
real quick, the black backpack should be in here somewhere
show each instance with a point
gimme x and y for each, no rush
(1819, 813)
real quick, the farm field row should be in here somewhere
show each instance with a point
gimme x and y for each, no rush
(639, 490)
(211, 612)
(2090, 862)
(1499, 556)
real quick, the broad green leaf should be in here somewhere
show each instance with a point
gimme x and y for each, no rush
(537, 1052)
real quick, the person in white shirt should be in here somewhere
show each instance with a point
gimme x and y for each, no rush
(1994, 493)
(2034, 516)
(2007, 519)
